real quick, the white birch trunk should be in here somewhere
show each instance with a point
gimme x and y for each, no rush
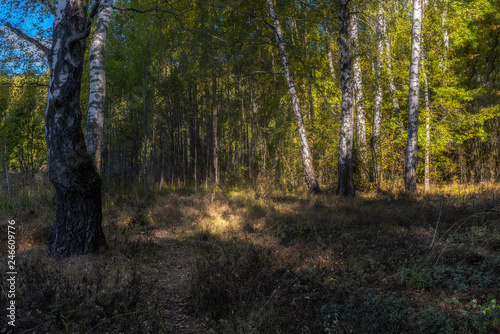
(329, 52)
(412, 142)
(427, 115)
(446, 38)
(345, 170)
(97, 90)
(307, 160)
(329, 55)
(427, 167)
(359, 102)
(377, 101)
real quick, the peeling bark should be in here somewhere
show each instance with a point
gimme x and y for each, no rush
(345, 170)
(412, 142)
(359, 101)
(77, 228)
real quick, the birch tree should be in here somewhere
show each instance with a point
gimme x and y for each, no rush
(307, 161)
(359, 101)
(77, 227)
(377, 100)
(345, 170)
(329, 52)
(97, 93)
(427, 147)
(412, 142)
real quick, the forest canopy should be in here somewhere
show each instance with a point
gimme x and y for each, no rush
(196, 92)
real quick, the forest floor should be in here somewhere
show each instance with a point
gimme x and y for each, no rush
(264, 261)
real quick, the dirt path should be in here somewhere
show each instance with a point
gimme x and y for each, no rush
(167, 277)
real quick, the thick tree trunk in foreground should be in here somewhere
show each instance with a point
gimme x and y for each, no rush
(359, 101)
(97, 93)
(345, 183)
(411, 145)
(377, 101)
(307, 162)
(77, 227)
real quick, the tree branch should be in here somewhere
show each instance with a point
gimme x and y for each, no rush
(253, 16)
(152, 9)
(141, 11)
(94, 10)
(28, 39)
(77, 37)
(256, 72)
(316, 84)
(84, 34)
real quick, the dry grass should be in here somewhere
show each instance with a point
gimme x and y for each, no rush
(268, 261)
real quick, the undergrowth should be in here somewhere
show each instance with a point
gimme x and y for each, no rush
(264, 260)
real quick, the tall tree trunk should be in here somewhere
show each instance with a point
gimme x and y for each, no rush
(253, 135)
(446, 38)
(307, 160)
(345, 180)
(329, 55)
(427, 166)
(214, 138)
(329, 52)
(493, 158)
(6, 168)
(377, 101)
(77, 227)
(97, 90)
(412, 142)
(359, 101)
(427, 158)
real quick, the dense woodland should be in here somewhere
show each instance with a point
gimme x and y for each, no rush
(198, 148)
(196, 94)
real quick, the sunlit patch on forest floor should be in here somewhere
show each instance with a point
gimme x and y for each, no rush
(268, 261)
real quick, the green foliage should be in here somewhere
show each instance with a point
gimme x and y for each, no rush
(456, 317)
(22, 124)
(455, 277)
(170, 68)
(376, 314)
